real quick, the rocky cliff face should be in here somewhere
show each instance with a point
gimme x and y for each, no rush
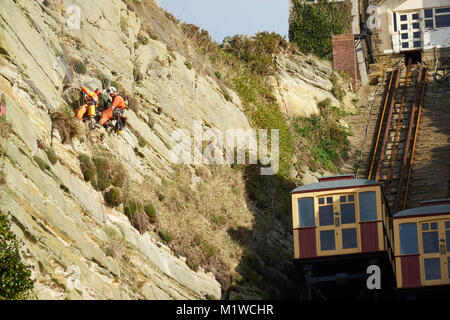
(303, 81)
(68, 232)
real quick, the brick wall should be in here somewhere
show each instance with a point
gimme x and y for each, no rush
(344, 56)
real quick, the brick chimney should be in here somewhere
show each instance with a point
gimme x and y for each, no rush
(344, 56)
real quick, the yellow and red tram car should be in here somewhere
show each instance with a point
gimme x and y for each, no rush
(422, 245)
(338, 216)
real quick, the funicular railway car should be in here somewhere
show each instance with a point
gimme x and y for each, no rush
(422, 250)
(341, 227)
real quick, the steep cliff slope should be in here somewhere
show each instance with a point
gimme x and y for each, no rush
(77, 245)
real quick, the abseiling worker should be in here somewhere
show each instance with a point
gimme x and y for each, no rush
(117, 107)
(90, 100)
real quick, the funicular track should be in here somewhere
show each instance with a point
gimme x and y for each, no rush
(398, 122)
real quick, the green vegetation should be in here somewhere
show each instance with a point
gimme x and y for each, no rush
(140, 215)
(357, 162)
(41, 163)
(188, 65)
(218, 220)
(87, 168)
(15, 277)
(344, 75)
(150, 211)
(311, 26)
(226, 95)
(324, 138)
(257, 52)
(113, 197)
(132, 207)
(336, 90)
(142, 38)
(209, 250)
(51, 155)
(165, 236)
(264, 112)
(104, 171)
(109, 172)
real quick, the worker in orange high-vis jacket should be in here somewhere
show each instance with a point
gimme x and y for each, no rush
(118, 106)
(90, 100)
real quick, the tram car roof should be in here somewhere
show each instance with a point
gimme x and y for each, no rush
(335, 182)
(431, 207)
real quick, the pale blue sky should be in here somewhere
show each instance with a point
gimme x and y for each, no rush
(230, 17)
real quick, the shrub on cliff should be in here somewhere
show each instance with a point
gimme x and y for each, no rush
(324, 138)
(15, 277)
(165, 236)
(109, 172)
(113, 197)
(79, 67)
(257, 52)
(150, 211)
(131, 208)
(67, 125)
(87, 168)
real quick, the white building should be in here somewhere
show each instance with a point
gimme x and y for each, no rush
(408, 25)
(404, 26)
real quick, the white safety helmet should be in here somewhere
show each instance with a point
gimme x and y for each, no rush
(111, 90)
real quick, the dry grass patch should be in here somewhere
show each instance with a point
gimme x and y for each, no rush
(196, 220)
(67, 125)
(5, 128)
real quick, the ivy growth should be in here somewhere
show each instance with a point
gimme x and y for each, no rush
(312, 25)
(15, 277)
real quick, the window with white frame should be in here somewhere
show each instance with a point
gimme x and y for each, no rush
(410, 30)
(437, 18)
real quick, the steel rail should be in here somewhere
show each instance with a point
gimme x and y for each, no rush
(405, 197)
(388, 124)
(408, 140)
(395, 142)
(381, 125)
